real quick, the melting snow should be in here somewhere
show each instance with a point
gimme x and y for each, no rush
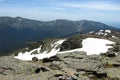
(108, 31)
(93, 46)
(114, 37)
(27, 55)
(91, 32)
(102, 32)
(90, 45)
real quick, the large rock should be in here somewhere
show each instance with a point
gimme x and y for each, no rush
(73, 55)
(82, 64)
(34, 59)
(51, 59)
(113, 72)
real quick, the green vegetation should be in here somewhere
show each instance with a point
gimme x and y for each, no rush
(72, 43)
(33, 45)
(46, 44)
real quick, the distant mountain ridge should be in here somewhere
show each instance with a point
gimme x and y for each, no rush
(15, 32)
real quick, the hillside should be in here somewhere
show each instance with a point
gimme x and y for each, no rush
(92, 43)
(91, 56)
(15, 32)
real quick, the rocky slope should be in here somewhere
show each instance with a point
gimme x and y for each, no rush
(75, 65)
(15, 32)
(70, 66)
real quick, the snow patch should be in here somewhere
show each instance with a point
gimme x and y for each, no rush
(27, 56)
(108, 31)
(93, 46)
(103, 32)
(115, 37)
(90, 45)
(96, 45)
(100, 33)
(91, 32)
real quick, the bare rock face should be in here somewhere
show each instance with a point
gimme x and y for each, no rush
(69, 66)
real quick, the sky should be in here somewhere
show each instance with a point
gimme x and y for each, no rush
(46, 10)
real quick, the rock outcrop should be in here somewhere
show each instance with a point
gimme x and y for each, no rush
(69, 66)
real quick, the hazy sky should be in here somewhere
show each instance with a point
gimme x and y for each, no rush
(96, 10)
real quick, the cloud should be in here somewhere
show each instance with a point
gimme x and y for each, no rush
(95, 5)
(50, 10)
(35, 13)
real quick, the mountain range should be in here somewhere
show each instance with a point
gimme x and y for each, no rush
(16, 31)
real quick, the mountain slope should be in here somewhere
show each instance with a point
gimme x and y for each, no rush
(90, 43)
(15, 32)
(66, 59)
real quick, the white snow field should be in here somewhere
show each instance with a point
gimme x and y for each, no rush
(93, 46)
(90, 45)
